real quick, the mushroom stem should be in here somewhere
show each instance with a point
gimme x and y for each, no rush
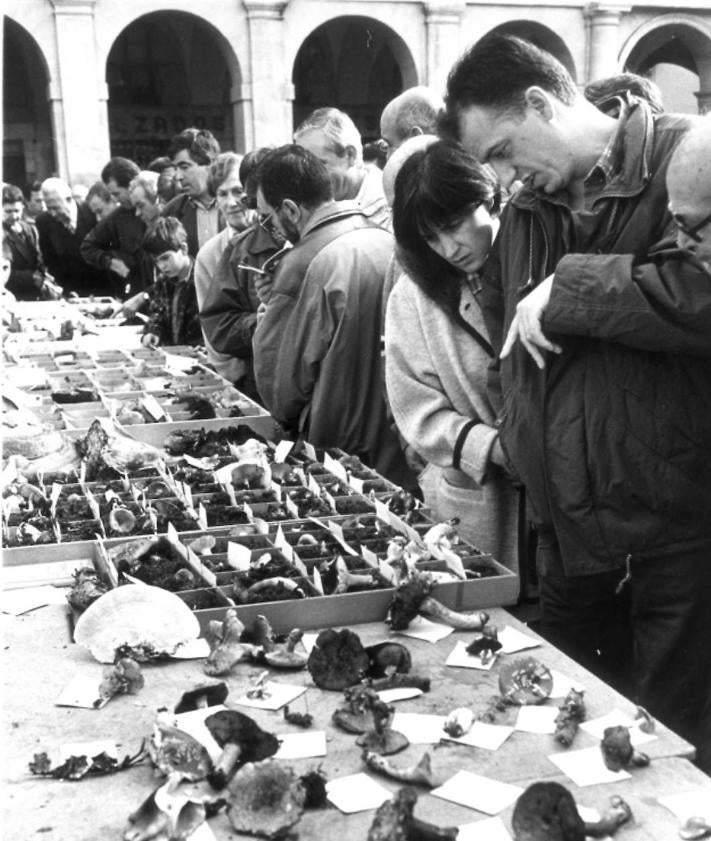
(460, 621)
(420, 773)
(225, 764)
(398, 680)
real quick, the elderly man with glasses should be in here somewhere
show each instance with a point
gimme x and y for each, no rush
(229, 269)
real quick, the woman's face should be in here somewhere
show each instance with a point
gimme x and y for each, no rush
(467, 243)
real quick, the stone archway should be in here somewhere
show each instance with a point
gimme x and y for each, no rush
(28, 150)
(354, 63)
(675, 52)
(166, 71)
(542, 37)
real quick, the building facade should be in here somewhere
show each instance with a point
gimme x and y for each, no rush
(84, 79)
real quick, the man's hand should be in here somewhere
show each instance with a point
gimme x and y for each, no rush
(118, 266)
(263, 286)
(526, 324)
(51, 291)
(261, 311)
(150, 340)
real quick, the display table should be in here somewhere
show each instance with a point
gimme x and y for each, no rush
(39, 659)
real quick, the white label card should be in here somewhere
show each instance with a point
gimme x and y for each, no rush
(202, 516)
(282, 450)
(335, 467)
(153, 407)
(238, 557)
(247, 508)
(357, 484)
(309, 451)
(336, 530)
(299, 564)
(290, 506)
(314, 486)
(371, 558)
(198, 566)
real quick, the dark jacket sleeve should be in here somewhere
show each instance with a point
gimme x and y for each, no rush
(104, 242)
(227, 315)
(662, 305)
(52, 260)
(159, 312)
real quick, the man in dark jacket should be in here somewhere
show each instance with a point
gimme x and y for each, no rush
(605, 375)
(317, 358)
(62, 228)
(192, 152)
(114, 245)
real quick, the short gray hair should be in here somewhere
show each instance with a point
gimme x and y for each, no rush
(338, 127)
(148, 182)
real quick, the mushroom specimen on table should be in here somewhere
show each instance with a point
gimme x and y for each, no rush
(618, 751)
(124, 678)
(485, 646)
(546, 811)
(418, 774)
(412, 597)
(381, 738)
(226, 648)
(525, 681)
(570, 714)
(265, 798)
(241, 740)
(338, 659)
(201, 697)
(395, 821)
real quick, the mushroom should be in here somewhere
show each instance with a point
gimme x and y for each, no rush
(285, 656)
(382, 738)
(399, 680)
(225, 647)
(355, 717)
(265, 798)
(123, 678)
(241, 740)
(394, 821)
(347, 580)
(177, 754)
(571, 713)
(337, 660)
(86, 589)
(165, 814)
(547, 811)
(459, 722)
(644, 720)
(207, 695)
(121, 520)
(617, 749)
(304, 720)
(525, 681)
(203, 545)
(485, 646)
(388, 658)
(419, 774)
(694, 828)
(413, 597)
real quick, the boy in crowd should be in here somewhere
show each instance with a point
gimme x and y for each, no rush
(172, 308)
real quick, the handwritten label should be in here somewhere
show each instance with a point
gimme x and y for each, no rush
(238, 556)
(309, 451)
(207, 575)
(276, 490)
(386, 571)
(357, 484)
(314, 486)
(202, 516)
(153, 407)
(290, 506)
(335, 467)
(282, 450)
(299, 564)
(318, 584)
(54, 497)
(247, 508)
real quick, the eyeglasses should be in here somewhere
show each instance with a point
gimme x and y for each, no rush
(691, 231)
(266, 222)
(250, 202)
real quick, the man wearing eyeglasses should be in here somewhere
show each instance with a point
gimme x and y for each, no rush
(317, 355)
(605, 342)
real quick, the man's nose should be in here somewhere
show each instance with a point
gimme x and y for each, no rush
(505, 172)
(684, 241)
(449, 247)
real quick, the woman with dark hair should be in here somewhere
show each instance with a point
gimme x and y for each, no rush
(437, 353)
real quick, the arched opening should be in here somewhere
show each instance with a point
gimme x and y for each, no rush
(28, 151)
(677, 57)
(167, 71)
(542, 37)
(356, 64)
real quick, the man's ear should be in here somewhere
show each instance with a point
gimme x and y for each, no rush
(415, 131)
(539, 101)
(292, 209)
(351, 154)
(184, 247)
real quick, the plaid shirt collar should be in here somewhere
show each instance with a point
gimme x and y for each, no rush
(607, 164)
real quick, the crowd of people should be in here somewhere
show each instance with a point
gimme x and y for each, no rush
(504, 307)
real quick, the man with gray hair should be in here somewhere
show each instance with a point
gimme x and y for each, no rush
(412, 113)
(332, 136)
(62, 228)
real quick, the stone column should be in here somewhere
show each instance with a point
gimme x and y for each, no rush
(443, 19)
(78, 100)
(265, 94)
(603, 40)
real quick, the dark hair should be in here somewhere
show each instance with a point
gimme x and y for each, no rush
(34, 187)
(160, 164)
(121, 170)
(605, 93)
(220, 169)
(434, 189)
(201, 144)
(496, 72)
(376, 151)
(166, 235)
(98, 188)
(11, 194)
(292, 172)
(249, 166)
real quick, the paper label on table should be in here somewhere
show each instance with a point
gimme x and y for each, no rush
(424, 629)
(460, 659)
(192, 650)
(420, 728)
(309, 641)
(486, 736)
(399, 693)
(562, 684)
(536, 719)
(81, 691)
(586, 767)
(688, 804)
(596, 727)
(309, 451)
(88, 749)
(335, 467)
(238, 556)
(488, 829)
(283, 448)
(357, 484)
(356, 793)
(301, 745)
(193, 723)
(24, 599)
(277, 695)
(512, 640)
(153, 407)
(477, 792)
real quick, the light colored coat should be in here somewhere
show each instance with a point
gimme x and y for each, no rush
(436, 375)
